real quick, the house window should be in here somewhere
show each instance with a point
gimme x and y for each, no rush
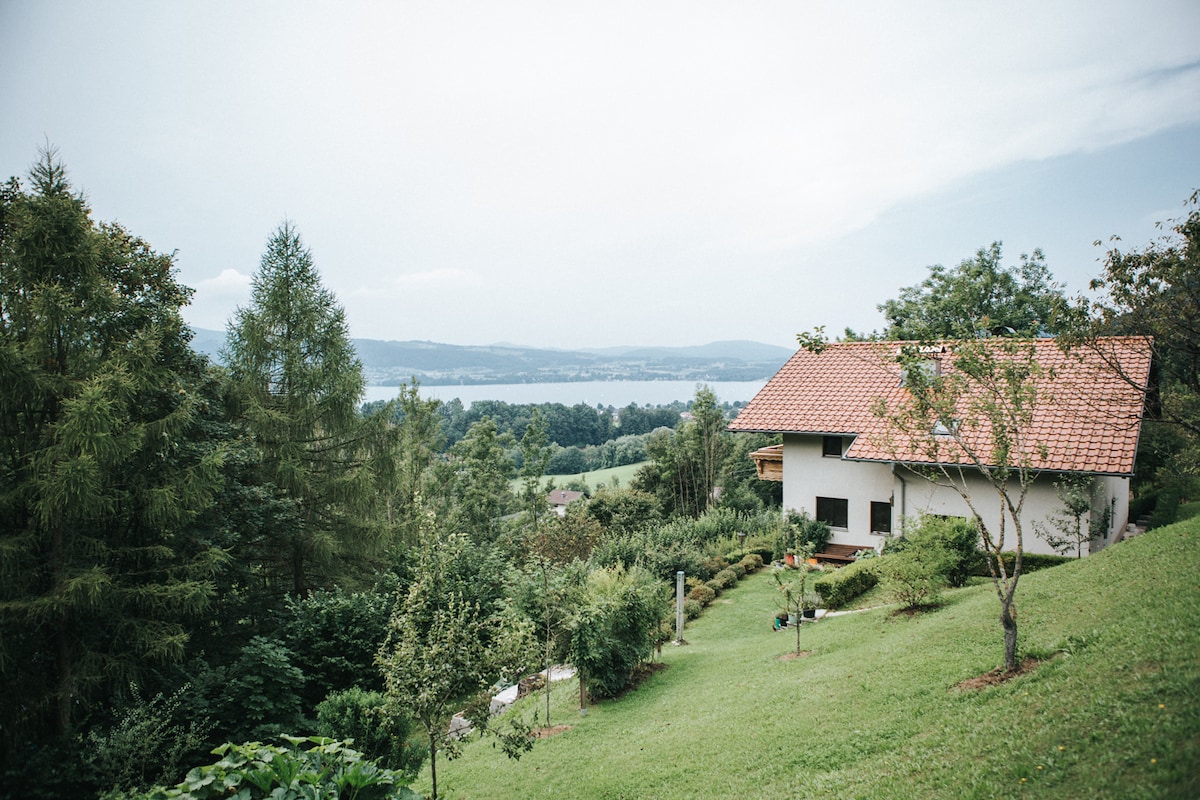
(929, 367)
(831, 446)
(881, 517)
(834, 511)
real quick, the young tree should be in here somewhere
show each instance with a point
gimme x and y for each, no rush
(435, 655)
(103, 472)
(688, 460)
(300, 382)
(973, 418)
(476, 479)
(1070, 527)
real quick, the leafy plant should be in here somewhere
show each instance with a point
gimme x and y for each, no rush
(360, 716)
(328, 769)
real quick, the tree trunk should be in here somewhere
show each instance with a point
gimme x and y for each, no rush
(1009, 622)
(433, 764)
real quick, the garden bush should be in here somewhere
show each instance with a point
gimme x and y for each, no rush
(846, 583)
(1166, 509)
(357, 714)
(702, 594)
(738, 569)
(1030, 562)
(950, 544)
(752, 563)
(915, 577)
(692, 608)
(726, 578)
(716, 586)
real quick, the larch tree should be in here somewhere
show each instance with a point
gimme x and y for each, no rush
(299, 383)
(100, 471)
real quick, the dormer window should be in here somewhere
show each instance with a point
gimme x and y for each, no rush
(831, 446)
(926, 359)
(946, 427)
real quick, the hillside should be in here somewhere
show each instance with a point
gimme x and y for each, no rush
(433, 363)
(873, 710)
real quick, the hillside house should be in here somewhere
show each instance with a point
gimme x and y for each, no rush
(559, 499)
(843, 463)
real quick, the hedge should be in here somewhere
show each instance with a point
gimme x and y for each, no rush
(846, 583)
(1030, 562)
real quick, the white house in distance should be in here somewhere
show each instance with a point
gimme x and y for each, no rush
(840, 461)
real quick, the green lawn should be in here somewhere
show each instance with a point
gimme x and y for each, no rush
(873, 710)
(624, 476)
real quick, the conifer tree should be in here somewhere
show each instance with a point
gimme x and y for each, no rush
(300, 383)
(101, 475)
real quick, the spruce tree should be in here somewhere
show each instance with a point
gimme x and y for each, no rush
(100, 473)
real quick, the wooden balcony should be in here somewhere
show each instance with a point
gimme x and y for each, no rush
(769, 462)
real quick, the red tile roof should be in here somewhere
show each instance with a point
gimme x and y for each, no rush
(1087, 418)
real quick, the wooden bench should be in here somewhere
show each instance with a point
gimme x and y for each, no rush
(840, 553)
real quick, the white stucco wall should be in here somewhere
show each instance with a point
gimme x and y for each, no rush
(807, 474)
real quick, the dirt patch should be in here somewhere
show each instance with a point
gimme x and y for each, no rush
(998, 676)
(792, 656)
(553, 730)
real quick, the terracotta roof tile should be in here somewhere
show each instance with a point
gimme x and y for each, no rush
(1088, 418)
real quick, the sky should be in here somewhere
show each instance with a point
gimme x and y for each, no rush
(570, 174)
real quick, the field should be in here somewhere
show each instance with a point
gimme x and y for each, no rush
(593, 479)
(874, 709)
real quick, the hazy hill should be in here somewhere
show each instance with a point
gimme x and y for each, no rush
(392, 362)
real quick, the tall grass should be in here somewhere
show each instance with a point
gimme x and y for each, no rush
(873, 711)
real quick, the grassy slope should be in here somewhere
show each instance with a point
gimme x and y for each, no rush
(874, 712)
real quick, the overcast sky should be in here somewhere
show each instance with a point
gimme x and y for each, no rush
(589, 174)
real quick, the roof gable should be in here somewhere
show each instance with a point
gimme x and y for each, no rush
(1087, 418)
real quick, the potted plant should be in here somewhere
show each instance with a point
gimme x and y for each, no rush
(809, 602)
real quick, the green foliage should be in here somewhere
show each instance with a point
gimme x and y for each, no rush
(726, 578)
(978, 297)
(361, 717)
(147, 744)
(692, 609)
(751, 562)
(614, 627)
(1030, 562)
(328, 770)
(299, 382)
(952, 543)
(839, 587)
(1166, 508)
(105, 466)
(259, 696)
(702, 594)
(1068, 530)
(333, 638)
(687, 462)
(800, 532)
(442, 647)
(916, 576)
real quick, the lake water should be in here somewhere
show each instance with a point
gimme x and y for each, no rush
(592, 393)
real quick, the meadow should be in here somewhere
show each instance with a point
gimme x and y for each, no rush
(876, 706)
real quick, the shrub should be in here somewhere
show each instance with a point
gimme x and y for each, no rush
(752, 562)
(1030, 562)
(356, 714)
(952, 544)
(713, 565)
(1166, 509)
(915, 577)
(702, 595)
(716, 586)
(692, 608)
(738, 569)
(255, 770)
(846, 583)
(726, 578)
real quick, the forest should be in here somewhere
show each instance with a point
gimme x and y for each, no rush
(197, 555)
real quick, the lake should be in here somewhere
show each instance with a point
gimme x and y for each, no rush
(592, 393)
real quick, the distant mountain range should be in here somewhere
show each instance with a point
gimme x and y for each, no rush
(389, 363)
